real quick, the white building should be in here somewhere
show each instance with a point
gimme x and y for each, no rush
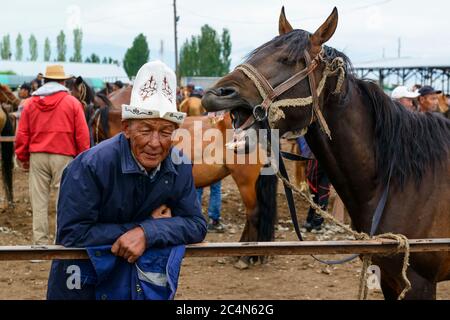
(94, 73)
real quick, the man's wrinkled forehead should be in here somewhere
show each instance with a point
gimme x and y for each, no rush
(155, 124)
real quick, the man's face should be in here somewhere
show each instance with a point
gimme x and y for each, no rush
(150, 140)
(407, 103)
(23, 93)
(40, 77)
(430, 102)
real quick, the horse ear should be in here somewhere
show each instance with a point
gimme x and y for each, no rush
(79, 80)
(283, 25)
(326, 30)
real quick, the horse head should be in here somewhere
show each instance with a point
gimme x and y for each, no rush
(279, 76)
(81, 90)
(7, 96)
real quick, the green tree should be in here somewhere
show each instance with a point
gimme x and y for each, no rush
(61, 46)
(32, 44)
(93, 58)
(189, 58)
(77, 45)
(206, 54)
(136, 56)
(19, 47)
(47, 50)
(5, 51)
(226, 51)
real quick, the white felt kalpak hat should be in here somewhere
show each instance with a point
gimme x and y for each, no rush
(154, 94)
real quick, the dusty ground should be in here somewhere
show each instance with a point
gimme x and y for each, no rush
(283, 277)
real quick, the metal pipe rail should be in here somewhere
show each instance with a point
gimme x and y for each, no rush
(220, 249)
(7, 138)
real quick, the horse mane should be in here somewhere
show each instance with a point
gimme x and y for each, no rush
(291, 45)
(90, 94)
(104, 98)
(411, 142)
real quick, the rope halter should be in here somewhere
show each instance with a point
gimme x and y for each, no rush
(271, 109)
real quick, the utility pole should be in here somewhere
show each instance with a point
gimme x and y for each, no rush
(175, 21)
(161, 50)
(399, 47)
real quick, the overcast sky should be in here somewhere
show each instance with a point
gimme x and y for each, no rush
(366, 27)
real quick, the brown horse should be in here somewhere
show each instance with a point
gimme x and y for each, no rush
(7, 148)
(258, 192)
(374, 140)
(192, 106)
(443, 106)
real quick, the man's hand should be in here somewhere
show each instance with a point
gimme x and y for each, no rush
(24, 165)
(162, 212)
(131, 245)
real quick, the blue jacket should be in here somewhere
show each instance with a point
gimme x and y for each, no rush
(154, 276)
(104, 193)
(304, 148)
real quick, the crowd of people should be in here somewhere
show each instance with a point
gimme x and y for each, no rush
(422, 99)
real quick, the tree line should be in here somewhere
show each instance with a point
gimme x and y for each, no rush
(206, 54)
(61, 49)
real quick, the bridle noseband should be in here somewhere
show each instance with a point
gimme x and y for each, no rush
(269, 94)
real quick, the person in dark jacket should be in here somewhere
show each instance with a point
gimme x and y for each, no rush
(113, 194)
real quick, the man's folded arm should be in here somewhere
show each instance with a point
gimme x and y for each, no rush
(187, 224)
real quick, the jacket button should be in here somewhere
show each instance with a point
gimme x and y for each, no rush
(166, 182)
(104, 297)
(98, 254)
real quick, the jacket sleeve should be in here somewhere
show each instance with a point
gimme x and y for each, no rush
(78, 210)
(82, 141)
(187, 224)
(22, 143)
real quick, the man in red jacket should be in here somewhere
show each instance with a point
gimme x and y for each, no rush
(52, 131)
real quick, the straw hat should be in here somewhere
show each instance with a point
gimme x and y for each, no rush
(56, 72)
(154, 94)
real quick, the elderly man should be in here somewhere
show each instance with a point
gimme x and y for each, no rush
(405, 97)
(115, 193)
(428, 99)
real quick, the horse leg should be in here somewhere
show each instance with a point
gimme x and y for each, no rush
(392, 284)
(421, 288)
(7, 152)
(247, 191)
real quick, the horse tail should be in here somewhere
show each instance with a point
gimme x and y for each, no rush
(266, 196)
(7, 152)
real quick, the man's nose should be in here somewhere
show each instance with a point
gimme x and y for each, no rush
(155, 140)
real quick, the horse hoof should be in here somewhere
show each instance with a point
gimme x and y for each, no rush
(241, 265)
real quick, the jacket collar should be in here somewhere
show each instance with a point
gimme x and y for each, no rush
(50, 88)
(130, 165)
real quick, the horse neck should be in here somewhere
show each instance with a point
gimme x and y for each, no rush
(349, 158)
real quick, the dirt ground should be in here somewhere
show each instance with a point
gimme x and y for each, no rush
(283, 277)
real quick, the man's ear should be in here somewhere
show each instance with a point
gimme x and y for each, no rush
(126, 128)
